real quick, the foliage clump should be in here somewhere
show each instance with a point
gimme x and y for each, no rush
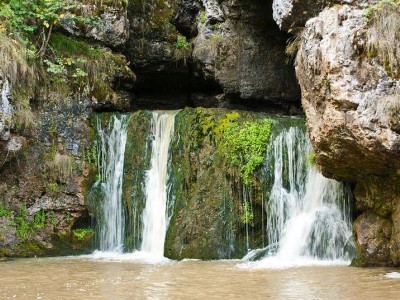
(244, 145)
(241, 144)
(383, 34)
(47, 64)
(82, 233)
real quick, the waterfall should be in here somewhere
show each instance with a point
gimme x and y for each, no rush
(110, 165)
(155, 212)
(308, 215)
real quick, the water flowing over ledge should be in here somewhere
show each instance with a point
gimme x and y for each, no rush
(111, 165)
(155, 212)
(303, 218)
(308, 215)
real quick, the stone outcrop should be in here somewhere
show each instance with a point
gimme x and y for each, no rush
(232, 51)
(10, 143)
(241, 50)
(109, 26)
(351, 102)
(291, 14)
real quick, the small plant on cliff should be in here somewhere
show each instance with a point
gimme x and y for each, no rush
(22, 226)
(293, 43)
(203, 17)
(311, 158)
(39, 219)
(182, 48)
(247, 216)
(81, 233)
(182, 43)
(383, 34)
(5, 212)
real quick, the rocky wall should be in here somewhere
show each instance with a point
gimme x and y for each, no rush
(349, 98)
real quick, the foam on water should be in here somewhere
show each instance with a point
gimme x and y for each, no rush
(393, 275)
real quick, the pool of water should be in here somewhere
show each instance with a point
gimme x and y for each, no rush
(131, 278)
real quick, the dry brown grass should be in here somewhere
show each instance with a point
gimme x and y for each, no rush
(293, 43)
(383, 35)
(14, 62)
(61, 168)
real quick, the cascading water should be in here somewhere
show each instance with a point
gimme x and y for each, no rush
(155, 212)
(111, 165)
(308, 215)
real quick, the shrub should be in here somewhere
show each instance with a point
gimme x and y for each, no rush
(245, 145)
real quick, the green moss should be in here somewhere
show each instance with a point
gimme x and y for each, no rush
(137, 161)
(155, 19)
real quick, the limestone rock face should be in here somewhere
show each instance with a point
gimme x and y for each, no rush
(290, 14)
(111, 27)
(10, 143)
(241, 50)
(6, 109)
(344, 97)
(233, 51)
(350, 102)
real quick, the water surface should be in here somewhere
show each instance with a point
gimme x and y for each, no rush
(88, 278)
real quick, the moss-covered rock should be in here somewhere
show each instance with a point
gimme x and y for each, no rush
(209, 196)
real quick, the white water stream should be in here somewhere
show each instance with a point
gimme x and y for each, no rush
(308, 215)
(155, 212)
(111, 166)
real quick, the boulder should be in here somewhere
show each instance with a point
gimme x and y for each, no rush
(350, 100)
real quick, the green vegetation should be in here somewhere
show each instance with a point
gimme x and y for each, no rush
(244, 146)
(42, 63)
(81, 233)
(182, 48)
(5, 212)
(383, 35)
(23, 228)
(247, 216)
(33, 21)
(39, 219)
(203, 17)
(241, 144)
(311, 158)
(294, 42)
(182, 43)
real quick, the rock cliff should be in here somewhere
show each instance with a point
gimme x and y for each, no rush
(351, 97)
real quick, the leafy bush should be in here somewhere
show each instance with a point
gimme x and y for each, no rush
(244, 146)
(181, 43)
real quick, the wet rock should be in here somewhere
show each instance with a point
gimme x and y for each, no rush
(8, 235)
(372, 235)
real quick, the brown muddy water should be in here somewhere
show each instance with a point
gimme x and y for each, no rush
(87, 278)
